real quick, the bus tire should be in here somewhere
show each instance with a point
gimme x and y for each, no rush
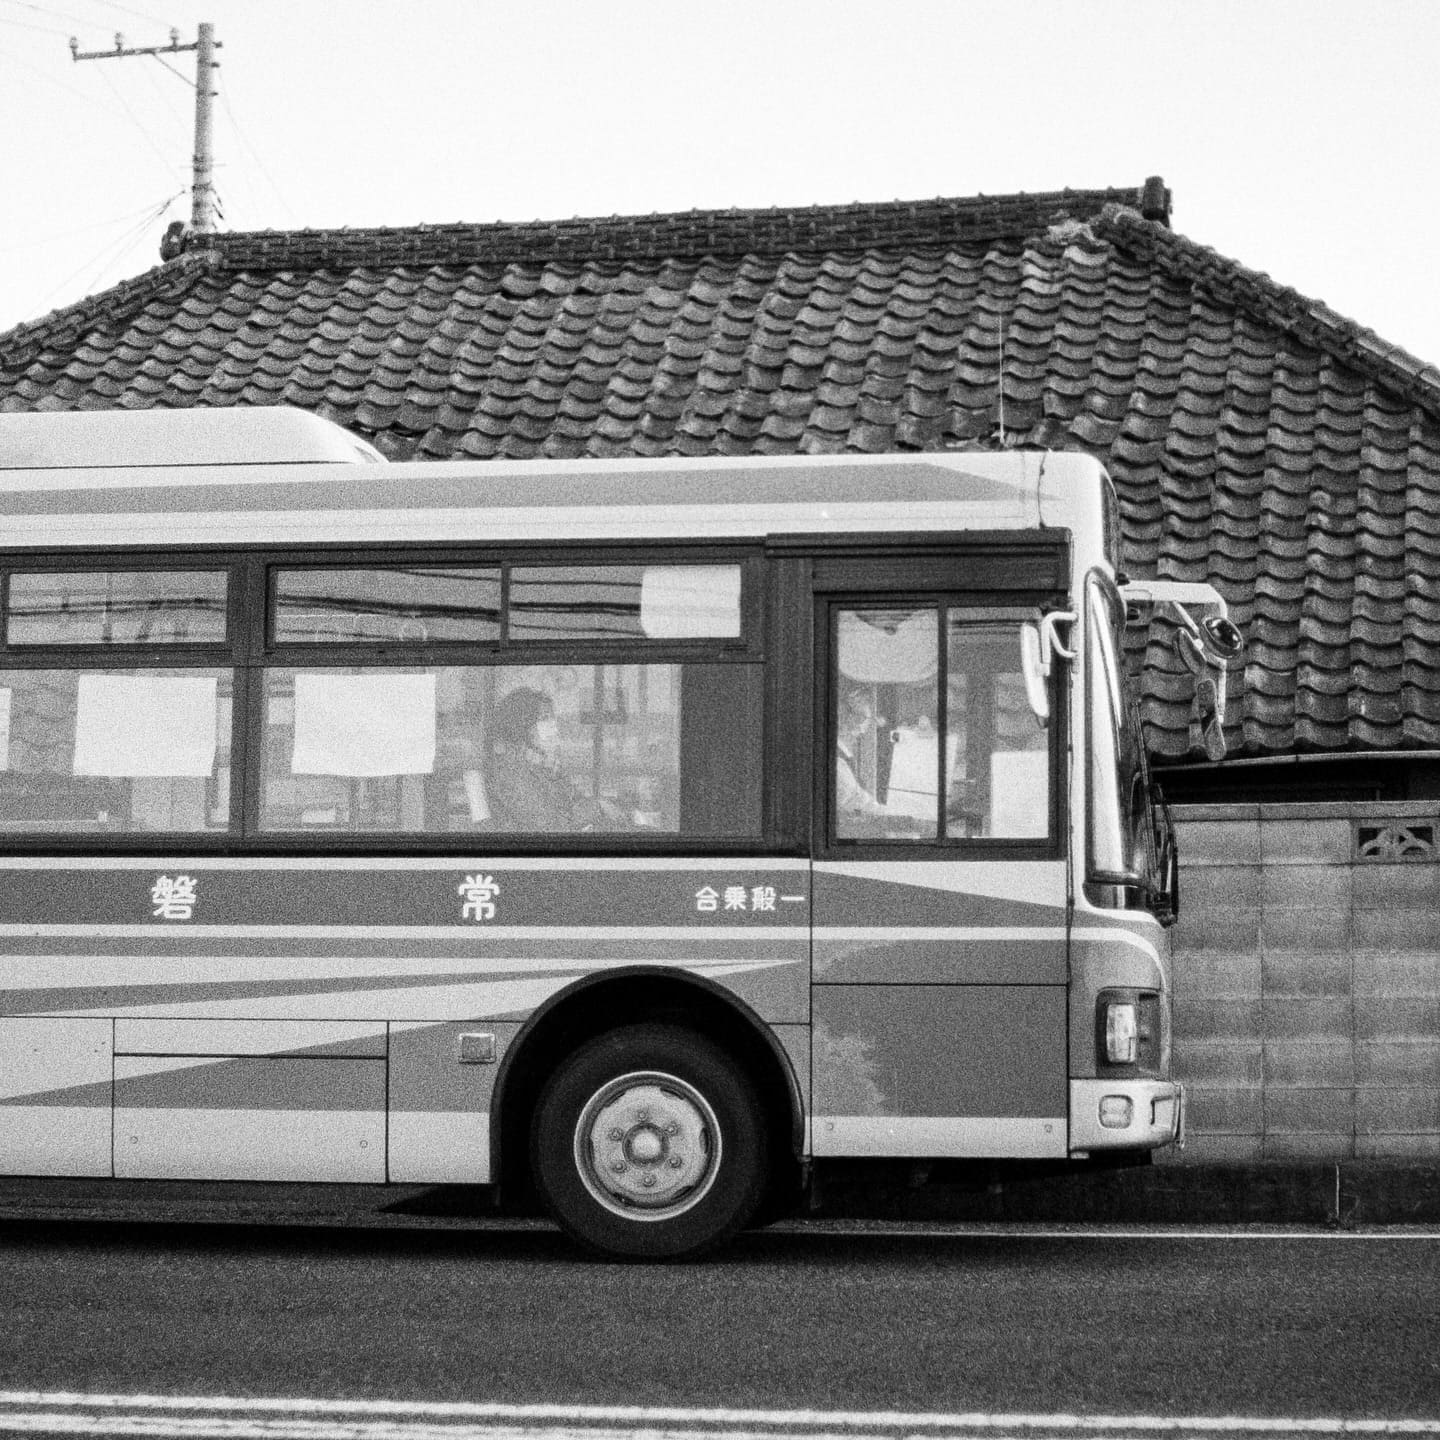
(649, 1143)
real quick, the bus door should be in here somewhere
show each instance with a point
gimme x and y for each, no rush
(940, 886)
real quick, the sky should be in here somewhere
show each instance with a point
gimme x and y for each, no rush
(1298, 136)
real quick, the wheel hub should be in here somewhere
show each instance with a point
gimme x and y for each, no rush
(647, 1145)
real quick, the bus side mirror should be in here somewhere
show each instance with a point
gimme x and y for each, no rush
(1222, 638)
(1036, 672)
(1039, 644)
(1192, 646)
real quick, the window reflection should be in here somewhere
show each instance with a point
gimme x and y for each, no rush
(597, 602)
(115, 607)
(387, 604)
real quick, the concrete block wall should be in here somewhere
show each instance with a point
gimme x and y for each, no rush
(1307, 981)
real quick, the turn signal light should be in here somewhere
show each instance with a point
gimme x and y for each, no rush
(1116, 1112)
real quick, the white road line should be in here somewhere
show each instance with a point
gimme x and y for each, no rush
(189, 1417)
(1022, 1230)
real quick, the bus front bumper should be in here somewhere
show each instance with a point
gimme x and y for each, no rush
(1126, 1114)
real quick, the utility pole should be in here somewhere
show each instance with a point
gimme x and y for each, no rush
(202, 190)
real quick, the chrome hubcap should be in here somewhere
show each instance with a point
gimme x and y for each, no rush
(648, 1146)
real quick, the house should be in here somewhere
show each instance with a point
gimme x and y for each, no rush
(1258, 441)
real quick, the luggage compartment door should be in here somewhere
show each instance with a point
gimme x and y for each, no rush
(250, 1100)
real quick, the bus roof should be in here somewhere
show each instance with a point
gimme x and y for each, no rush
(145, 439)
(184, 500)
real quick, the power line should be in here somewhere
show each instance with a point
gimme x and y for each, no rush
(26, 25)
(128, 10)
(134, 120)
(51, 80)
(255, 156)
(47, 10)
(145, 210)
(120, 249)
(166, 97)
(183, 79)
(112, 251)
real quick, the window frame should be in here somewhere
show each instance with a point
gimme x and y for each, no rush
(941, 846)
(530, 554)
(129, 657)
(963, 572)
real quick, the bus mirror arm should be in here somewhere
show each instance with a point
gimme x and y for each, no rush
(1050, 637)
(1206, 648)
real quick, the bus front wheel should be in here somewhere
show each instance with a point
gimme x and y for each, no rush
(649, 1143)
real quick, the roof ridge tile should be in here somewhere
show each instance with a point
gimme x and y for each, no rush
(850, 228)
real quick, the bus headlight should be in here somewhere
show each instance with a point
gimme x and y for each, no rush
(1130, 1031)
(1122, 1032)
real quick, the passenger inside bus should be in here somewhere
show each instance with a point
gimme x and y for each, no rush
(526, 788)
(854, 804)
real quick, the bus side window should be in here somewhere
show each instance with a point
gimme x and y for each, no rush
(115, 750)
(887, 750)
(998, 785)
(896, 777)
(530, 750)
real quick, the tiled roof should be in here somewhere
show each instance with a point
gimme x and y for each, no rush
(1257, 439)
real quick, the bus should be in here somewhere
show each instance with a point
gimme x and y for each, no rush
(637, 835)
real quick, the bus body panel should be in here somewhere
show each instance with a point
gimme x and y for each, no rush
(266, 1034)
(55, 1094)
(940, 1008)
(1110, 951)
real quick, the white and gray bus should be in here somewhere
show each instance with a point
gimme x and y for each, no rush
(640, 831)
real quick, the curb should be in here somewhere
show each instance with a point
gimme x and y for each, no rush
(1343, 1194)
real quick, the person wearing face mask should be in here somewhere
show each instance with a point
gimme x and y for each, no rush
(527, 789)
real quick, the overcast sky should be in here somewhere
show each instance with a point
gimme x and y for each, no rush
(1298, 136)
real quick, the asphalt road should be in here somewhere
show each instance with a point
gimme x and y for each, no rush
(1283, 1325)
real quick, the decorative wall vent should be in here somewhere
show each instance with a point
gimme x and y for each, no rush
(1392, 841)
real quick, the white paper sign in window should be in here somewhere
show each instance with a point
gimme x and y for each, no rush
(145, 725)
(889, 647)
(5, 693)
(690, 602)
(1020, 794)
(364, 725)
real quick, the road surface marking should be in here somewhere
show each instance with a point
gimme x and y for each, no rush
(194, 1417)
(968, 1229)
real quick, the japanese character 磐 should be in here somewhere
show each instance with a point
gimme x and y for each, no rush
(174, 897)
